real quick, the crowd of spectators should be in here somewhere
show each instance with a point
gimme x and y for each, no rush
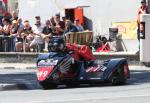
(18, 36)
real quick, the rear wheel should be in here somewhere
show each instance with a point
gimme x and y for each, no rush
(147, 64)
(119, 77)
(46, 85)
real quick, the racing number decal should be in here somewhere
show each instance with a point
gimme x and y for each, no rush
(43, 73)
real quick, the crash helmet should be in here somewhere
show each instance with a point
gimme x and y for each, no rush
(56, 44)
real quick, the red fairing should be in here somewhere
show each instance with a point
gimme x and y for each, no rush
(80, 51)
(126, 71)
(86, 53)
(73, 47)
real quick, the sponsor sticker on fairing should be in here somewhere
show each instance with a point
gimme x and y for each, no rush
(48, 62)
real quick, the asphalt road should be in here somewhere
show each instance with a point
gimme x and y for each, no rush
(137, 89)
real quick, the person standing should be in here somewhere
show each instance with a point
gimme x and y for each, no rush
(38, 42)
(5, 31)
(60, 25)
(14, 16)
(142, 10)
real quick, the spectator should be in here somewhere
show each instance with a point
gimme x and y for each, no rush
(78, 25)
(14, 33)
(52, 20)
(5, 31)
(142, 10)
(14, 16)
(69, 27)
(6, 28)
(1, 20)
(38, 42)
(47, 30)
(60, 25)
(1, 29)
(38, 27)
(25, 38)
(47, 33)
(14, 28)
(21, 26)
(7, 15)
(64, 19)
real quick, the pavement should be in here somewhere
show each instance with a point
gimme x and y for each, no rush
(18, 66)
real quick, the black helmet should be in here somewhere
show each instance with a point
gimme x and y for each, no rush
(56, 44)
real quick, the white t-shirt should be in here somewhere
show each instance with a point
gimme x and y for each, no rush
(37, 39)
(37, 30)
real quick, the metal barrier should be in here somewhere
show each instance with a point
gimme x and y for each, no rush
(85, 38)
(82, 38)
(6, 44)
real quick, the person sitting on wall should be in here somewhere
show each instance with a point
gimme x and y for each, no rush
(69, 27)
(78, 25)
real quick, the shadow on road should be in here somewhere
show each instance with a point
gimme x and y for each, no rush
(139, 77)
(21, 81)
(136, 77)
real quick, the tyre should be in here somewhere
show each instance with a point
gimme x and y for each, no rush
(119, 77)
(147, 64)
(46, 85)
